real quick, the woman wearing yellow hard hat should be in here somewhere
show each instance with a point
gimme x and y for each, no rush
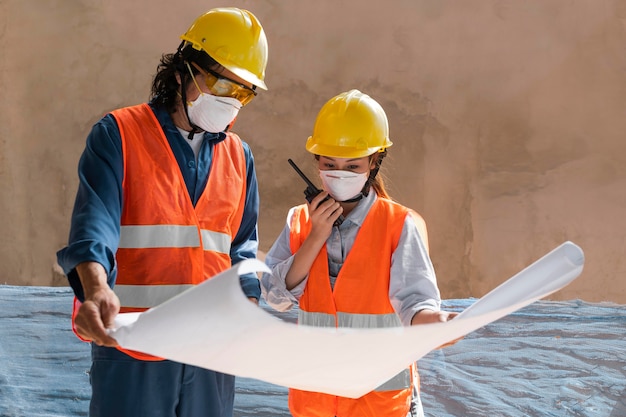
(372, 269)
(154, 214)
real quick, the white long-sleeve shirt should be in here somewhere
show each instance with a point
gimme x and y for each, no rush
(413, 283)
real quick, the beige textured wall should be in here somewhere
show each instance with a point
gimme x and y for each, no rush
(507, 117)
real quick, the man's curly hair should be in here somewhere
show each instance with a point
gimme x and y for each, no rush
(165, 87)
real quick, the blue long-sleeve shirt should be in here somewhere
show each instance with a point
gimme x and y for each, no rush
(95, 227)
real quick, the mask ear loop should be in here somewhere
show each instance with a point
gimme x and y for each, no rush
(193, 78)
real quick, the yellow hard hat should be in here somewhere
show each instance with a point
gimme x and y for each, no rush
(235, 39)
(350, 125)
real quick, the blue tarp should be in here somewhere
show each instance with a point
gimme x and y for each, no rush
(548, 359)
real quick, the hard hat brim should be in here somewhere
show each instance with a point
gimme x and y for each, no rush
(341, 151)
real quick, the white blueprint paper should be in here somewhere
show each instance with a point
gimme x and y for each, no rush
(214, 326)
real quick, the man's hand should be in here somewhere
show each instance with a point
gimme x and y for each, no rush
(100, 307)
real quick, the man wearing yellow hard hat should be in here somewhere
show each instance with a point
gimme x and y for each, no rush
(167, 198)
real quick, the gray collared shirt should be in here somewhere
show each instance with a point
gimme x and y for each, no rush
(413, 284)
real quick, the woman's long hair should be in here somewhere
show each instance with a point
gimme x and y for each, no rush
(378, 182)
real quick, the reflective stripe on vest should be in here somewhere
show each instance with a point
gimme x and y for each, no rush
(173, 236)
(147, 296)
(355, 321)
(215, 241)
(360, 321)
(159, 236)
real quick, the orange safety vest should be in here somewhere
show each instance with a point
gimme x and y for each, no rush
(166, 244)
(360, 299)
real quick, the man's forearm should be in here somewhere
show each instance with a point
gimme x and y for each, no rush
(92, 277)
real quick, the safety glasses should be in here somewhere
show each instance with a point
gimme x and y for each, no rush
(221, 86)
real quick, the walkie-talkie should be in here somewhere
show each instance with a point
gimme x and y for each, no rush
(311, 190)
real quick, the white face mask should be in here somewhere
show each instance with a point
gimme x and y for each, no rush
(212, 113)
(343, 185)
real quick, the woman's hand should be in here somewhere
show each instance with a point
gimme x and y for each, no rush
(427, 316)
(430, 316)
(323, 215)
